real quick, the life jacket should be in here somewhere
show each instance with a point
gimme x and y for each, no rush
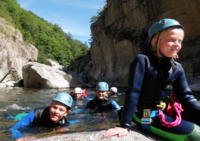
(42, 117)
(101, 105)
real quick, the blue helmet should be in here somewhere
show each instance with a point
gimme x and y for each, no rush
(64, 98)
(102, 86)
(162, 25)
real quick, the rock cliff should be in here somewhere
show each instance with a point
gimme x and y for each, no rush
(14, 52)
(18, 62)
(119, 34)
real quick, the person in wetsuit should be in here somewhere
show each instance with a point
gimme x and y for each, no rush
(113, 92)
(55, 115)
(79, 94)
(101, 102)
(150, 75)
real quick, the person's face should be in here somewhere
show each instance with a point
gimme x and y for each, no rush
(78, 95)
(102, 94)
(170, 42)
(57, 111)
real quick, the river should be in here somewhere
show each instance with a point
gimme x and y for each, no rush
(18, 100)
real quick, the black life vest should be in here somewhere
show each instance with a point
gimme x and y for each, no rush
(101, 105)
(42, 118)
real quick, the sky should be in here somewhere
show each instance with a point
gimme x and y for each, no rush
(73, 16)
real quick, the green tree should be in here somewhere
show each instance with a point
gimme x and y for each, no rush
(51, 41)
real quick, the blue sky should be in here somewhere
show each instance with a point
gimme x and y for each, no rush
(73, 16)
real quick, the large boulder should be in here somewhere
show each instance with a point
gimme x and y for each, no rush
(54, 64)
(120, 33)
(14, 53)
(36, 75)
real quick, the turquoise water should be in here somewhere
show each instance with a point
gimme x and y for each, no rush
(18, 100)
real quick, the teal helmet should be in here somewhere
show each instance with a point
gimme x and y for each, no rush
(64, 98)
(162, 25)
(102, 86)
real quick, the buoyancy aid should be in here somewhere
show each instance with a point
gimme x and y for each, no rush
(42, 117)
(101, 105)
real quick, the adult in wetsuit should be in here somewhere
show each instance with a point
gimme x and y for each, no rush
(101, 102)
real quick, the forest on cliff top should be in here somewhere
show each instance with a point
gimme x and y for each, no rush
(51, 41)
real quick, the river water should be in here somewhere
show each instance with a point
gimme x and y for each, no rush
(18, 100)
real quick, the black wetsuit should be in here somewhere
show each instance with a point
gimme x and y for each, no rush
(102, 105)
(149, 77)
(37, 117)
(42, 118)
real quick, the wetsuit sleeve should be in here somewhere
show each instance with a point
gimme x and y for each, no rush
(88, 98)
(136, 76)
(181, 85)
(76, 111)
(71, 122)
(184, 92)
(26, 121)
(115, 106)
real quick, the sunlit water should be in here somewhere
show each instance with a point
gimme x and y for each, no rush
(18, 100)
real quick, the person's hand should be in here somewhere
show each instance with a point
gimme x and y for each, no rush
(26, 138)
(117, 131)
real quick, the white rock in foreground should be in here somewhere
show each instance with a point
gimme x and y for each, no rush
(97, 136)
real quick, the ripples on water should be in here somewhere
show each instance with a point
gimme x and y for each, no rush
(19, 100)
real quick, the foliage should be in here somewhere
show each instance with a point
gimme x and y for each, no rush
(99, 14)
(51, 41)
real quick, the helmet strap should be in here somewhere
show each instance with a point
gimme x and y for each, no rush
(158, 52)
(157, 49)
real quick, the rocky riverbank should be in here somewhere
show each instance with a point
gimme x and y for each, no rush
(135, 135)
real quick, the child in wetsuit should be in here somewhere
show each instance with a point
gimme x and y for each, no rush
(101, 102)
(147, 99)
(55, 115)
(79, 94)
(113, 92)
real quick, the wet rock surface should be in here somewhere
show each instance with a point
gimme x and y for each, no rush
(135, 135)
